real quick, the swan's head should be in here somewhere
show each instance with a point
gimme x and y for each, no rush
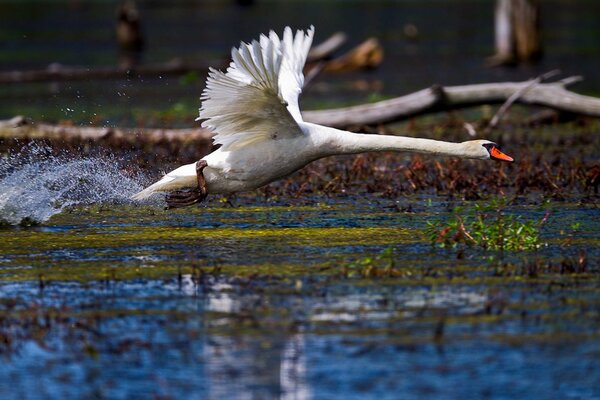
(485, 150)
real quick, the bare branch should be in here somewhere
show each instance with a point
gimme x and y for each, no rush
(515, 96)
(21, 128)
(427, 100)
(327, 48)
(368, 54)
(570, 80)
(548, 95)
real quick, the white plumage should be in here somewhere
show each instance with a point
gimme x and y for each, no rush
(253, 108)
(257, 98)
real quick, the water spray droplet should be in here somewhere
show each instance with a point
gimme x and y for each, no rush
(36, 184)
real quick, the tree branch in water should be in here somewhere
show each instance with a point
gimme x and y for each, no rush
(552, 95)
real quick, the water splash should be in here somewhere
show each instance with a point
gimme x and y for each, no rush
(36, 184)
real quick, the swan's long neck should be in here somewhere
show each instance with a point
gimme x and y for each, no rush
(343, 142)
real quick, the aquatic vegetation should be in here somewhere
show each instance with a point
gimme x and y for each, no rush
(560, 164)
(487, 226)
(336, 250)
(380, 265)
(538, 266)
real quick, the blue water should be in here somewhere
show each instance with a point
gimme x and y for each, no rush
(300, 338)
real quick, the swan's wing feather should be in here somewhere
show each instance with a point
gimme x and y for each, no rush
(291, 77)
(257, 98)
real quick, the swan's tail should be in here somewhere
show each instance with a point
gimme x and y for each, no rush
(155, 187)
(182, 177)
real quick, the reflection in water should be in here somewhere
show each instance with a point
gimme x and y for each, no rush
(406, 304)
(293, 375)
(254, 366)
(248, 366)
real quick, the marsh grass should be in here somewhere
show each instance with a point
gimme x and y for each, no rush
(371, 266)
(487, 226)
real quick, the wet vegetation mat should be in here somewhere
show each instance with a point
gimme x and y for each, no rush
(371, 275)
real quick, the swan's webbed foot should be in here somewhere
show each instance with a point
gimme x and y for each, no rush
(183, 198)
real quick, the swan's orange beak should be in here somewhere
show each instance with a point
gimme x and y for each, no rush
(498, 155)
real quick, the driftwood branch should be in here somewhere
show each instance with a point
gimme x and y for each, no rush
(552, 95)
(326, 48)
(368, 54)
(21, 128)
(515, 96)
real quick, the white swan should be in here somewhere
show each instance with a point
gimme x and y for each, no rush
(253, 108)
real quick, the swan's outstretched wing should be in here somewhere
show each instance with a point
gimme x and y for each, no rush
(291, 77)
(257, 98)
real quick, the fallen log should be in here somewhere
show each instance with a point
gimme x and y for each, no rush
(369, 54)
(21, 128)
(437, 98)
(551, 95)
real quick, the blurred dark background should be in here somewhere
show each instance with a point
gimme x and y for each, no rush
(425, 43)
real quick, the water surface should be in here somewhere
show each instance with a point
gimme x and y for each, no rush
(454, 38)
(262, 301)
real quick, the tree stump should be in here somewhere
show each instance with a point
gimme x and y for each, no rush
(517, 30)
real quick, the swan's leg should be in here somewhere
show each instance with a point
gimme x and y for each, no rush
(182, 198)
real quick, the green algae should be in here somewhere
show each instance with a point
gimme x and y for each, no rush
(145, 250)
(19, 242)
(280, 266)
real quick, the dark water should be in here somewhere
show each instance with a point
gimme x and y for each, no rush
(454, 38)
